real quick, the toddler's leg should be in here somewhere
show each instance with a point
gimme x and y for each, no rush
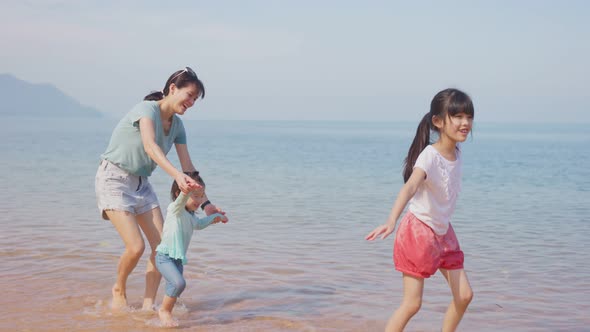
(413, 288)
(171, 270)
(462, 295)
(165, 312)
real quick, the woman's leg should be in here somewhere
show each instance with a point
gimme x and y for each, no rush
(129, 232)
(462, 295)
(412, 300)
(151, 224)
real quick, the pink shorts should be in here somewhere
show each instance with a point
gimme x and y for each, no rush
(419, 252)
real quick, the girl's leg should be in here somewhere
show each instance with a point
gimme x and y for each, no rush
(165, 312)
(129, 232)
(175, 284)
(151, 224)
(413, 288)
(462, 295)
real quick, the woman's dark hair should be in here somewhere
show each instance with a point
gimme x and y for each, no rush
(180, 78)
(445, 104)
(175, 190)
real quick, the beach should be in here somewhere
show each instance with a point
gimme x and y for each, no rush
(300, 196)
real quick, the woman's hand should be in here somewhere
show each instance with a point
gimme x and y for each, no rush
(219, 219)
(211, 209)
(383, 230)
(186, 183)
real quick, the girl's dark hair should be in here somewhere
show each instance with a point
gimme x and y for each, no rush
(180, 78)
(175, 190)
(445, 104)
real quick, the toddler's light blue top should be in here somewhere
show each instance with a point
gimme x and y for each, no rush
(126, 148)
(178, 228)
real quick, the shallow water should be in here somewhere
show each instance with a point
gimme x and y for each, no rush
(301, 196)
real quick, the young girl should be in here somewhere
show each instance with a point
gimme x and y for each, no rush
(178, 230)
(425, 240)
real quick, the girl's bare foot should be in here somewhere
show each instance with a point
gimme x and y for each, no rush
(119, 298)
(166, 319)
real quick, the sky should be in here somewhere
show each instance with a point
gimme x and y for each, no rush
(520, 61)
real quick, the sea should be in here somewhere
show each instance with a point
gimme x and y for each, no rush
(301, 197)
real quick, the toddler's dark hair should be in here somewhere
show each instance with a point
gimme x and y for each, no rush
(175, 190)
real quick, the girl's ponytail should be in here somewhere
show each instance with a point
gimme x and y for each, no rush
(155, 96)
(421, 140)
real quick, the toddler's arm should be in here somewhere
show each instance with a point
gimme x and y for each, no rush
(179, 203)
(200, 223)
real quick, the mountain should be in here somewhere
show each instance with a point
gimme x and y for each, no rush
(20, 98)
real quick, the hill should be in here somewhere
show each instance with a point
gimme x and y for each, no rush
(19, 97)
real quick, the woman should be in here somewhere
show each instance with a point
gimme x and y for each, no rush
(138, 144)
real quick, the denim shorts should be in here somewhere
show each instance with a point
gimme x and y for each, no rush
(119, 190)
